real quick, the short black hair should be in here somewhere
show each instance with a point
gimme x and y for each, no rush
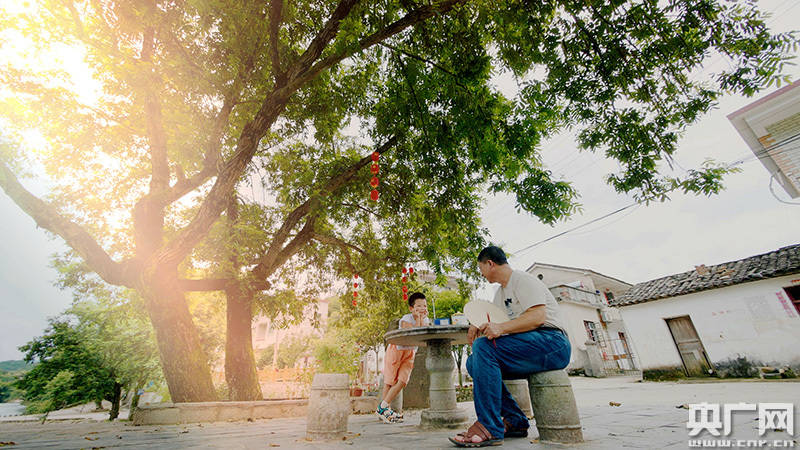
(414, 297)
(493, 253)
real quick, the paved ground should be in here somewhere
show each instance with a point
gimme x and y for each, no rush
(647, 418)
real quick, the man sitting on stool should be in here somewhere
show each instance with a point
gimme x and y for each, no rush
(532, 341)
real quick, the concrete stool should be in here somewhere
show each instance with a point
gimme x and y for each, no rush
(328, 406)
(519, 390)
(554, 407)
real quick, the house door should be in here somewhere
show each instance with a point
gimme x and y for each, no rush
(695, 360)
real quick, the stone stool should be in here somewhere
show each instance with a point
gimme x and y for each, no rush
(554, 407)
(328, 406)
(519, 390)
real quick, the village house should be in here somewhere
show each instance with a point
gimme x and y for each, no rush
(698, 319)
(600, 342)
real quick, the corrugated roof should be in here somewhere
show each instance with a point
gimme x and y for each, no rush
(784, 261)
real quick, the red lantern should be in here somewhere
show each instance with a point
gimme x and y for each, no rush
(374, 195)
(354, 302)
(355, 275)
(405, 296)
(373, 182)
(405, 270)
(405, 279)
(374, 169)
(375, 156)
(405, 288)
(355, 285)
(410, 270)
(355, 294)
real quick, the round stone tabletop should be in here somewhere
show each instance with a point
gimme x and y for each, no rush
(419, 336)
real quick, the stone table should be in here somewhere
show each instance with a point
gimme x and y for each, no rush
(443, 411)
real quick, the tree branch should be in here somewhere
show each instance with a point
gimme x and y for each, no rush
(332, 240)
(275, 11)
(321, 40)
(155, 127)
(217, 284)
(419, 15)
(47, 217)
(271, 108)
(330, 187)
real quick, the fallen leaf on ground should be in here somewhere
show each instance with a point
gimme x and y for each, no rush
(614, 404)
(534, 441)
(683, 406)
(274, 445)
(89, 438)
(3, 444)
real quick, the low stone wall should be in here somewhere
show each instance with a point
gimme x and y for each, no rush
(173, 413)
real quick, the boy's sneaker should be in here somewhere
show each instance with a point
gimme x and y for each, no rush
(387, 415)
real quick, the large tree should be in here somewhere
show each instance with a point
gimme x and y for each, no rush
(195, 96)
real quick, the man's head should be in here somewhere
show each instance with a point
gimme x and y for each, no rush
(493, 264)
(417, 301)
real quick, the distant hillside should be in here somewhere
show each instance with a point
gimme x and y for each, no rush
(13, 366)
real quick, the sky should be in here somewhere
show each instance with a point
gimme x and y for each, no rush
(636, 245)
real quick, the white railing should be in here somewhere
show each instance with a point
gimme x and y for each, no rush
(563, 292)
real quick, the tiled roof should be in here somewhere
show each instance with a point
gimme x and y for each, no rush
(784, 261)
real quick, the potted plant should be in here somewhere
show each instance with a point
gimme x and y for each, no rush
(356, 391)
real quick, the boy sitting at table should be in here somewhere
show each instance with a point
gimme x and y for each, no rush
(399, 360)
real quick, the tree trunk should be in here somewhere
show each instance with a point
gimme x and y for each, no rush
(240, 362)
(135, 399)
(115, 401)
(183, 361)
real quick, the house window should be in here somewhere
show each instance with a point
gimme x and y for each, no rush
(591, 330)
(609, 296)
(794, 295)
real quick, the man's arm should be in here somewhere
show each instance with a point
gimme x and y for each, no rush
(531, 319)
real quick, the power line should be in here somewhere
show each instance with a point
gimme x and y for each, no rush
(772, 191)
(573, 229)
(728, 166)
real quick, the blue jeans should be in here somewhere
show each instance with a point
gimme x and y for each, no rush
(515, 356)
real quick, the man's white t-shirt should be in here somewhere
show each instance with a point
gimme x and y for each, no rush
(410, 319)
(524, 291)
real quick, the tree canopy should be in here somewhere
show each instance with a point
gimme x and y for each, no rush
(196, 101)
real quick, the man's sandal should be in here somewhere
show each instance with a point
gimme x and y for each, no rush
(477, 429)
(514, 432)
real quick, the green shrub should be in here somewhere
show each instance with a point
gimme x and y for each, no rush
(464, 394)
(663, 374)
(741, 367)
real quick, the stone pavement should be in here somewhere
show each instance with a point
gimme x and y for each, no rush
(647, 418)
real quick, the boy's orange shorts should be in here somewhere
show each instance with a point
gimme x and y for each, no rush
(397, 365)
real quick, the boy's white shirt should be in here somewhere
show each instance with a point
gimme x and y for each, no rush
(409, 318)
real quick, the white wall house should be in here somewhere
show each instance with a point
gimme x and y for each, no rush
(771, 126)
(695, 319)
(584, 296)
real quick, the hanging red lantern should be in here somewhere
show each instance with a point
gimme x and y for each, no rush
(405, 288)
(374, 195)
(355, 302)
(374, 182)
(376, 156)
(374, 169)
(410, 270)
(405, 279)
(405, 270)
(405, 296)
(355, 285)
(355, 294)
